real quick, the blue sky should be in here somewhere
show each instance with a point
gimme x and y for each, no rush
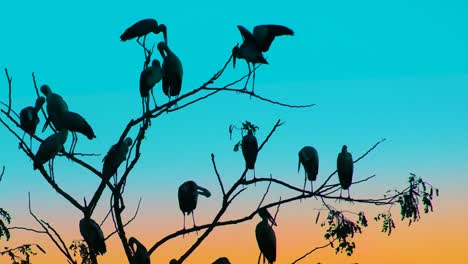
(393, 69)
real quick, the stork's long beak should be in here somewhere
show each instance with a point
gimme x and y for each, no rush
(45, 125)
(235, 50)
(203, 191)
(272, 220)
(299, 165)
(161, 51)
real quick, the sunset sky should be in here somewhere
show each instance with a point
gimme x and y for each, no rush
(375, 69)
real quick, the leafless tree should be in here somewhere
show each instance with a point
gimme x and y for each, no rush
(340, 225)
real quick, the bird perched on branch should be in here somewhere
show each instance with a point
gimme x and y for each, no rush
(188, 197)
(76, 123)
(56, 106)
(265, 235)
(49, 148)
(172, 71)
(253, 45)
(249, 146)
(309, 159)
(140, 254)
(345, 167)
(142, 28)
(149, 77)
(114, 157)
(29, 118)
(93, 235)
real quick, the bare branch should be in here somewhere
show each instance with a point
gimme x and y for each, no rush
(217, 174)
(357, 160)
(9, 79)
(63, 248)
(38, 95)
(265, 194)
(128, 222)
(2, 173)
(27, 229)
(313, 250)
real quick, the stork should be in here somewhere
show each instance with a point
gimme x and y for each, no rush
(93, 235)
(149, 77)
(253, 45)
(29, 118)
(345, 167)
(56, 106)
(172, 71)
(49, 148)
(140, 254)
(188, 197)
(142, 28)
(309, 159)
(250, 150)
(76, 123)
(115, 156)
(265, 235)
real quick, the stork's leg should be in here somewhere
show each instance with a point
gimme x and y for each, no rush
(30, 142)
(184, 223)
(248, 76)
(75, 140)
(176, 97)
(71, 145)
(253, 81)
(51, 169)
(74, 143)
(193, 218)
(255, 184)
(339, 198)
(259, 257)
(154, 100)
(138, 41)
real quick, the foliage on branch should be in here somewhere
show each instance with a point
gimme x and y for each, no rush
(80, 247)
(4, 217)
(342, 229)
(21, 254)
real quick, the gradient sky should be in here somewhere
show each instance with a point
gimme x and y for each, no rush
(376, 69)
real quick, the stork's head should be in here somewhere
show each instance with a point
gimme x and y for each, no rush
(235, 55)
(128, 141)
(156, 63)
(45, 89)
(203, 191)
(39, 102)
(344, 149)
(265, 215)
(162, 28)
(162, 47)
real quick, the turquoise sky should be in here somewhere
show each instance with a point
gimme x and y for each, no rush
(375, 69)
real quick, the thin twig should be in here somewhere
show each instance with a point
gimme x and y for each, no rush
(265, 194)
(9, 79)
(312, 251)
(217, 174)
(128, 222)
